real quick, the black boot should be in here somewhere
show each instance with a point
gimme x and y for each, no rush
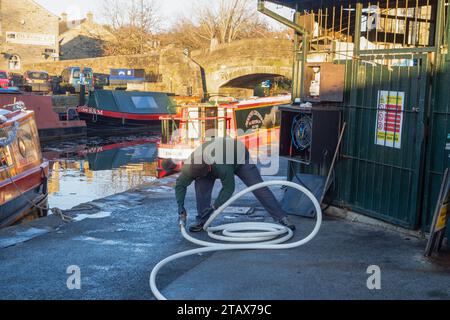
(197, 226)
(201, 219)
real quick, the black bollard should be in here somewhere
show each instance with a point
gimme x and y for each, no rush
(82, 100)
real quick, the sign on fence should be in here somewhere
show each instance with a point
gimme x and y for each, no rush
(388, 131)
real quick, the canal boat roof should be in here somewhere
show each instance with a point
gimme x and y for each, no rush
(13, 116)
(134, 102)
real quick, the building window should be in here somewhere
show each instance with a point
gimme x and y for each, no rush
(14, 62)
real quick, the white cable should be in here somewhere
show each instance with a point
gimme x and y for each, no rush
(263, 235)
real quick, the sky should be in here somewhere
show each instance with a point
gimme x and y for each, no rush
(170, 9)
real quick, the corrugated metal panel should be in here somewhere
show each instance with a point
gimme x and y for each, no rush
(380, 178)
(438, 152)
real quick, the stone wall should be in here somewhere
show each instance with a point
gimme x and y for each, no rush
(175, 72)
(182, 75)
(103, 64)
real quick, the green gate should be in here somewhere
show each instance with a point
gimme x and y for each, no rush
(381, 159)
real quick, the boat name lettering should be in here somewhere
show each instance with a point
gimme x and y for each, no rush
(92, 110)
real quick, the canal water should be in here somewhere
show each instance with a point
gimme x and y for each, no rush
(94, 167)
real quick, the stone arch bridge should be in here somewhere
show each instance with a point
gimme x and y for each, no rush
(229, 68)
(244, 64)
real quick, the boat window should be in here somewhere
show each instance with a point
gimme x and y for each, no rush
(144, 102)
(3, 75)
(25, 148)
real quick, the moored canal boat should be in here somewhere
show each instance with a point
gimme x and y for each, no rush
(23, 172)
(124, 111)
(49, 124)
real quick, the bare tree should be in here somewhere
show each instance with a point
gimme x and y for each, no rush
(220, 22)
(133, 23)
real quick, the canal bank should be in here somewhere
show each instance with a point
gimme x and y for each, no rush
(117, 240)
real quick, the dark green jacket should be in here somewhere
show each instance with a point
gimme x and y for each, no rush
(224, 172)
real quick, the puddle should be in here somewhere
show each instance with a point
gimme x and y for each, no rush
(99, 215)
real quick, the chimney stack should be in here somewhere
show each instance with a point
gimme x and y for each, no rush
(64, 17)
(90, 17)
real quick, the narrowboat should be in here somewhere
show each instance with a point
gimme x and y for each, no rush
(124, 111)
(23, 172)
(255, 122)
(49, 124)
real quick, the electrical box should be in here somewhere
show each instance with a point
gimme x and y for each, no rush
(324, 82)
(309, 135)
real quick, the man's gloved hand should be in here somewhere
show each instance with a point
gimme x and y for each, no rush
(182, 215)
(182, 219)
(181, 210)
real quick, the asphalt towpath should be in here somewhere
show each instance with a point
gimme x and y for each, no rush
(116, 241)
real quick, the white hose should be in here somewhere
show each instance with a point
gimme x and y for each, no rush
(263, 235)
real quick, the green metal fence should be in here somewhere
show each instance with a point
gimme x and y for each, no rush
(381, 157)
(397, 101)
(438, 146)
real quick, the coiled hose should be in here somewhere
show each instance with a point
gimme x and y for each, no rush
(250, 235)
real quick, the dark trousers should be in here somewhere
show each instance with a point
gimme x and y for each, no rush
(249, 174)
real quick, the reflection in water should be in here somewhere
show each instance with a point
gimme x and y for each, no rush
(92, 168)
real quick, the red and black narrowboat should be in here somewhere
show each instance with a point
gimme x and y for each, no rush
(118, 110)
(23, 172)
(255, 122)
(49, 125)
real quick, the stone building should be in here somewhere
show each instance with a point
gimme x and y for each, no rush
(80, 39)
(28, 34)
